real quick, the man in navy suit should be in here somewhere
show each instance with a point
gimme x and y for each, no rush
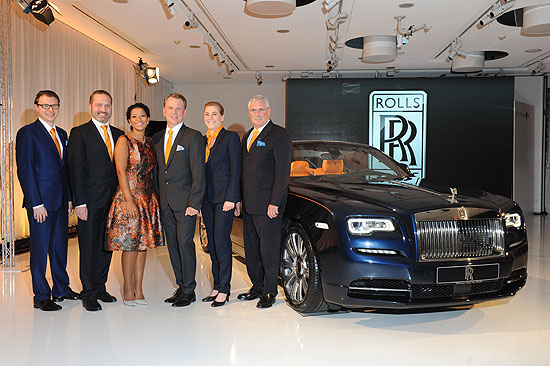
(93, 178)
(267, 153)
(41, 150)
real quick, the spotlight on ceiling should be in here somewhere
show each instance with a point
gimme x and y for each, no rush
(498, 8)
(191, 23)
(332, 63)
(40, 9)
(333, 22)
(328, 5)
(149, 73)
(259, 79)
(170, 6)
(538, 68)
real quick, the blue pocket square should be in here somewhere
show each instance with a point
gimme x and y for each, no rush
(66, 142)
(260, 143)
(180, 148)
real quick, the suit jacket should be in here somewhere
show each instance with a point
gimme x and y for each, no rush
(181, 181)
(223, 169)
(266, 169)
(92, 174)
(42, 174)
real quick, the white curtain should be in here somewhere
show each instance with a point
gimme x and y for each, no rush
(59, 58)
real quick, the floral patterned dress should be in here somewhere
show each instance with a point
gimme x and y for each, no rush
(130, 234)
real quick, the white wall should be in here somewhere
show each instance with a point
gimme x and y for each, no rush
(234, 98)
(529, 90)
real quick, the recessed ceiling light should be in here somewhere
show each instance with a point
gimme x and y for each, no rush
(406, 5)
(269, 66)
(390, 67)
(282, 31)
(120, 1)
(227, 77)
(533, 50)
(194, 46)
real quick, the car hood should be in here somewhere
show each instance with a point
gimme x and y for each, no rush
(413, 195)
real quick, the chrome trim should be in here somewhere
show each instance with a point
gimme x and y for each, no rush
(378, 289)
(460, 239)
(321, 225)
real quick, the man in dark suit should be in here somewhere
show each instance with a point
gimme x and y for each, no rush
(267, 153)
(181, 180)
(93, 179)
(41, 151)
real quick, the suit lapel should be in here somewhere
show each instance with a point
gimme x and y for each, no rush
(217, 142)
(47, 139)
(175, 143)
(63, 142)
(261, 136)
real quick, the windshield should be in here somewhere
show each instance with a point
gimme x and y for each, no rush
(343, 161)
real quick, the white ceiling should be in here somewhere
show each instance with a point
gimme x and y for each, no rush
(252, 43)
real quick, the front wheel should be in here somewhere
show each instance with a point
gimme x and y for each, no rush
(300, 273)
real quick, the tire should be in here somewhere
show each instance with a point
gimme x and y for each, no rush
(300, 273)
(202, 236)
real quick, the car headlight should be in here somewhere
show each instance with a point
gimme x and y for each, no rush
(365, 226)
(513, 219)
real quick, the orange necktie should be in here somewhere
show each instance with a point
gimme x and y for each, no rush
(52, 132)
(210, 138)
(254, 135)
(108, 142)
(168, 146)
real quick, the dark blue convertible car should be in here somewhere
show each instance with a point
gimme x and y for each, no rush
(361, 232)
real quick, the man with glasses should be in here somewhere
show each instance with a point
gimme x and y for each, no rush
(41, 156)
(267, 153)
(94, 181)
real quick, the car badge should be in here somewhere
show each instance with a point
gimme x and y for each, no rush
(469, 273)
(452, 198)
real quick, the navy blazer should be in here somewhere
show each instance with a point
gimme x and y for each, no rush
(266, 169)
(223, 168)
(41, 172)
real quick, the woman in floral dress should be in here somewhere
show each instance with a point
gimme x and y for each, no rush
(133, 224)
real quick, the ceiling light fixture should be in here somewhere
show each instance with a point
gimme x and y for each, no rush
(498, 8)
(335, 21)
(190, 23)
(467, 62)
(328, 5)
(40, 9)
(170, 6)
(538, 68)
(149, 73)
(271, 7)
(259, 79)
(403, 34)
(536, 19)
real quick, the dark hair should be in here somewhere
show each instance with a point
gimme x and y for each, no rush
(134, 106)
(48, 93)
(100, 92)
(177, 96)
(215, 104)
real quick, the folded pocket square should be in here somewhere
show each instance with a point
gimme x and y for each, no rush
(66, 142)
(180, 148)
(260, 143)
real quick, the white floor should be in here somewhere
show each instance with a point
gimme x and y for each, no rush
(515, 331)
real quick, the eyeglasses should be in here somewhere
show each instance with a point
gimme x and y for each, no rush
(48, 106)
(259, 110)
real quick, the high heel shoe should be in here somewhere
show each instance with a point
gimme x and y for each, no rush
(216, 304)
(131, 303)
(141, 301)
(210, 298)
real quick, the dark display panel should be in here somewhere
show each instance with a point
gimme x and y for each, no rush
(469, 130)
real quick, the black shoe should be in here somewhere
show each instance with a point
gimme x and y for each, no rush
(184, 300)
(266, 301)
(250, 295)
(175, 296)
(91, 304)
(209, 298)
(216, 304)
(46, 305)
(106, 297)
(71, 295)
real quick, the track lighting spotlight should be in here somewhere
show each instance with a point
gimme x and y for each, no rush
(330, 4)
(170, 5)
(259, 79)
(332, 63)
(335, 21)
(498, 8)
(538, 68)
(190, 23)
(41, 10)
(456, 49)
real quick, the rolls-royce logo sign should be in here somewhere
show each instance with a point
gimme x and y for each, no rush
(469, 273)
(398, 125)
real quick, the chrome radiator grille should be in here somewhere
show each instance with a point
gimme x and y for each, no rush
(458, 239)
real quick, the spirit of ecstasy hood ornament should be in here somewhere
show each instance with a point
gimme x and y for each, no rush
(452, 198)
